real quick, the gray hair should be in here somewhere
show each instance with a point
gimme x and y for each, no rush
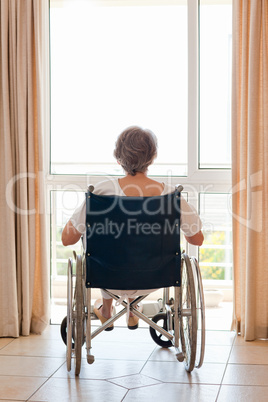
(135, 149)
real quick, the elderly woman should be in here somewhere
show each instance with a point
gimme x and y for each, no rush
(135, 151)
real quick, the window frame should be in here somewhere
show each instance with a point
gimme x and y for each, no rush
(198, 180)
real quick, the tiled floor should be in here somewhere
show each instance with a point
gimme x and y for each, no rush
(129, 366)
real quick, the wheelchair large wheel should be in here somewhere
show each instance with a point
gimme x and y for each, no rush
(69, 334)
(79, 305)
(200, 307)
(187, 314)
(160, 339)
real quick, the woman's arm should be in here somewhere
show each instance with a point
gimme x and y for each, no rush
(70, 235)
(196, 240)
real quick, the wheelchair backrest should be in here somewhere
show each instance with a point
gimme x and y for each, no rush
(133, 242)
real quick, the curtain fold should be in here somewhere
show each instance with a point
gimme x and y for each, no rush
(250, 167)
(24, 272)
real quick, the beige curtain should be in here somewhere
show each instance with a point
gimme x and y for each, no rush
(250, 167)
(24, 272)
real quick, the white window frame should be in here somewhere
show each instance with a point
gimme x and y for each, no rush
(197, 180)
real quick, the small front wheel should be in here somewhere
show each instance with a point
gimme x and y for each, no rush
(159, 338)
(63, 331)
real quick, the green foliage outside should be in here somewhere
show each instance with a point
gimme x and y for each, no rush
(215, 238)
(212, 272)
(213, 255)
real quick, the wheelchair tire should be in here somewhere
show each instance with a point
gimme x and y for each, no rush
(187, 314)
(200, 308)
(78, 342)
(157, 336)
(69, 318)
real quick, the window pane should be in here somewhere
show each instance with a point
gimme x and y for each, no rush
(215, 83)
(113, 66)
(215, 255)
(63, 204)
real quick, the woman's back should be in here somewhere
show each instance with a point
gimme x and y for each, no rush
(140, 186)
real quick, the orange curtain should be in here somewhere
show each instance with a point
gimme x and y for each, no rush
(250, 167)
(24, 271)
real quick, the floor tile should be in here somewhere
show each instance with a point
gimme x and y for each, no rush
(163, 355)
(51, 332)
(217, 353)
(77, 390)
(240, 341)
(249, 355)
(102, 369)
(174, 393)
(5, 341)
(121, 350)
(125, 335)
(209, 373)
(241, 394)
(134, 381)
(29, 366)
(246, 374)
(21, 388)
(213, 354)
(35, 346)
(219, 317)
(218, 337)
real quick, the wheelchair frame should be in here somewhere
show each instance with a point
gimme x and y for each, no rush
(181, 316)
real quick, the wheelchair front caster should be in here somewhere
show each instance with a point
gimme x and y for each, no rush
(90, 359)
(180, 357)
(157, 336)
(63, 331)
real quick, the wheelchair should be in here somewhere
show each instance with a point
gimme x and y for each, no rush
(146, 255)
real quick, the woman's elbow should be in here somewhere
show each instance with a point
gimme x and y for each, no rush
(200, 241)
(196, 240)
(64, 240)
(70, 235)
